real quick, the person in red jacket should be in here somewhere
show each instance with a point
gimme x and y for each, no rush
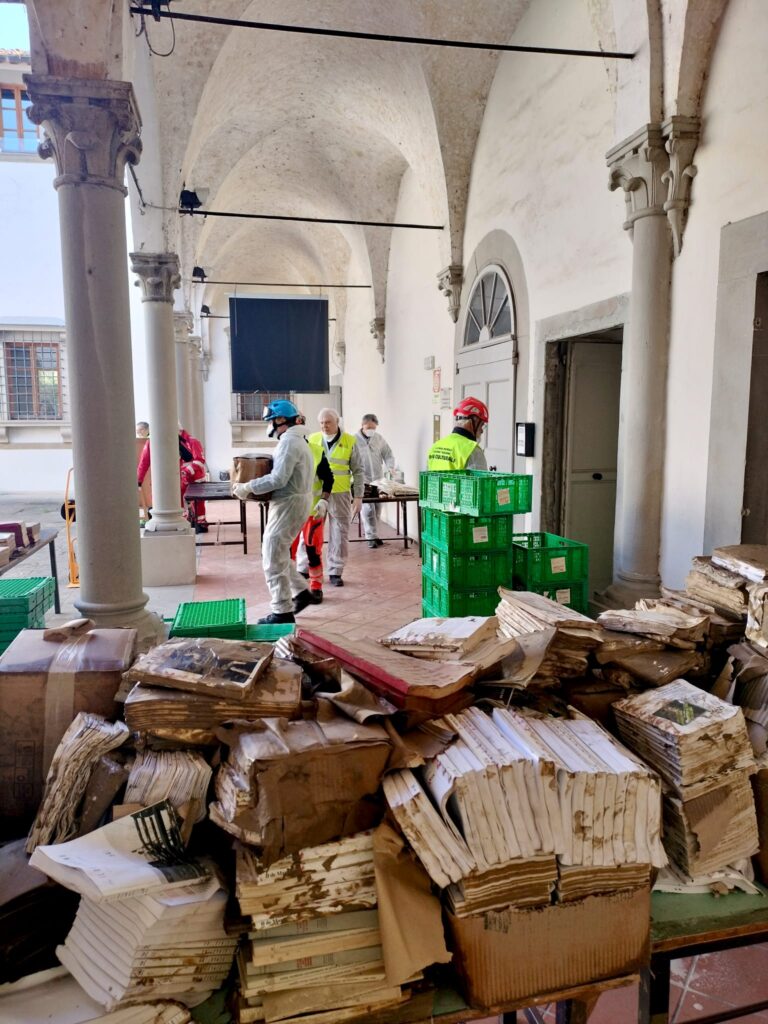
(191, 468)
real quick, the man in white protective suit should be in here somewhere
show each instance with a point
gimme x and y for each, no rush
(291, 481)
(377, 460)
(348, 485)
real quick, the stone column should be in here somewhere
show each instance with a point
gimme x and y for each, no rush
(92, 131)
(641, 167)
(196, 387)
(182, 326)
(158, 277)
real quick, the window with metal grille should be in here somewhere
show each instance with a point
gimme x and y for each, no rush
(32, 385)
(17, 133)
(250, 405)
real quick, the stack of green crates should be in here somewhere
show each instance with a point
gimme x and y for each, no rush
(467, 537)
(223, 619)
(23, 604)
(269, 632)
(556, 567)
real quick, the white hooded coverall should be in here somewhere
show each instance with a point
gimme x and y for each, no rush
(377, 458)
(290, 481)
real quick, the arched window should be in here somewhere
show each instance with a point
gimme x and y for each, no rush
(491, 313)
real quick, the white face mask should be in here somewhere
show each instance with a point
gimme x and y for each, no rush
(368, 431)
(328, 437)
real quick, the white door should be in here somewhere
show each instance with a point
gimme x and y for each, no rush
(485, 363)
(591, 443)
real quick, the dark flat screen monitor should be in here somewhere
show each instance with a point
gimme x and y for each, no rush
(279, 345)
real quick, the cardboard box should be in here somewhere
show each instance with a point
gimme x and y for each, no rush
(43, 685)
(251, 467)
(505, 955)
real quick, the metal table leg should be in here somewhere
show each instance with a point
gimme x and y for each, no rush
(654, 992)
(573, 1011)
(244, 527)
(55, 574)
(405, 523)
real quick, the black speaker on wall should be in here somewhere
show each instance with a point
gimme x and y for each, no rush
(279, 344)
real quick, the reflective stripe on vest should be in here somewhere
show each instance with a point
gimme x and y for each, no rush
(451, 452)
(338, 459)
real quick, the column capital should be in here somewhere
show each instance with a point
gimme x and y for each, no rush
(183, 323)
(681, 136)
(377, 330)
(637, 165)
(91, 128)
(449, 281)
(158, 275)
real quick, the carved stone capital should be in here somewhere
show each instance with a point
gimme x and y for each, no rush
(682, 138)
(377, 330)
(158, 275)
(182, 326)
(449, 281)
(637, 165)
(91, 128)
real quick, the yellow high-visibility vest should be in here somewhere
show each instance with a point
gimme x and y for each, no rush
(451, 452)
(338, 460)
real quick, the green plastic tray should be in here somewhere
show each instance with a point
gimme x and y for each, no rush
(267, 633)
(464, 570)
(25, 597)
(572, 593)
(225, 619)
(454, 532)
(476, 493)
(445, 601)
(547, 558)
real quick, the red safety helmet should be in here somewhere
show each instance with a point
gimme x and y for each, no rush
(469, 407)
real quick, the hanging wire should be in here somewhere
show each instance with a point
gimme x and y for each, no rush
(143, 31)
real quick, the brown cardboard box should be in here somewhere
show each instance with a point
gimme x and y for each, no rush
(509, 954)
(43, 685)
(251, 467)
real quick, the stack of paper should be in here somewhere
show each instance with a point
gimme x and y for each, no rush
(688, 735)
(180, 777)
(289, 785)
(314, 946)
(221, 668)
(725, 590)
(170, 945)
(757, 615)
(55, 996)
(151, 921)
(194, 717)
(747, 560)
(699, 744)
(670, 625)
(644, 659)
(571, 635)
(749, 690)
(609, 800)
(82, 745)
(439, 639)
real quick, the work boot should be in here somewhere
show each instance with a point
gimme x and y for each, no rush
(304, 574)
(316, 596)
(301, 601)
(336, 581)
(372, 544)
(201, 527)
(276, 619)
(378, 542)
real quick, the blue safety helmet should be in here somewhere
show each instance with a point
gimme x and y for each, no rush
(282, 408)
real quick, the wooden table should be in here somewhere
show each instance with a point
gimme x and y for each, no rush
(684, 926)
(445, 1006)
(47, 539)
(401, 502)
(212, 491)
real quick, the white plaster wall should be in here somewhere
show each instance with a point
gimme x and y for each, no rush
(399, 391)
(539, 174)
(731, 185)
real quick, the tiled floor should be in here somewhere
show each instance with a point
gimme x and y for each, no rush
(382, 591)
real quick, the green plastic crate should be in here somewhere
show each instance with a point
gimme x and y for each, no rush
(26, 598)
(267, 633)
(476, 492)
(454, 532)
(547, 558)
(573, 593)
(224, 619)
(445, 601)
(464, 570)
